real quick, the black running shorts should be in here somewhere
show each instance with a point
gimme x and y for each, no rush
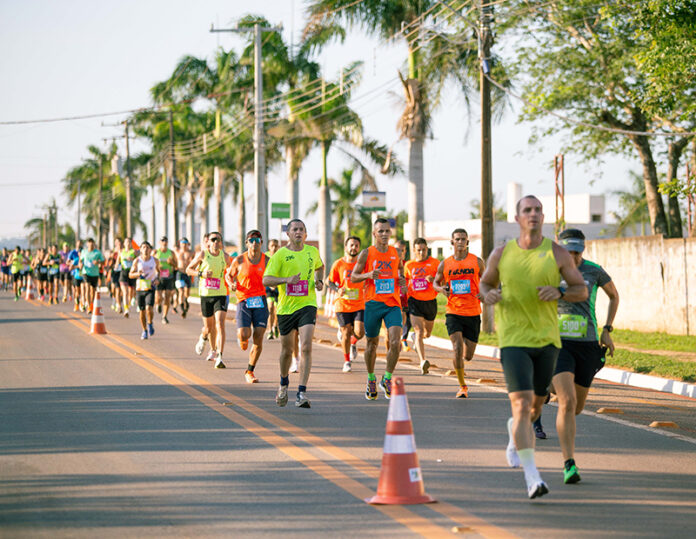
(583, 358)
(425, 309)
(528, 369)
(349, 319)
(468, 326)
(144, 298)
(301, 317)
(211, 304)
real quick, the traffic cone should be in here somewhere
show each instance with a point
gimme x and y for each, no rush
(30, 290)
(97, 325)
(400, 479)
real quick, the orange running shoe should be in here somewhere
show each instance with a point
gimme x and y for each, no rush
(243, 344)
(250, 377)
(463, 392)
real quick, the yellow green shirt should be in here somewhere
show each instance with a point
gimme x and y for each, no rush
(521, 318)
(286, 263)
(214, 286)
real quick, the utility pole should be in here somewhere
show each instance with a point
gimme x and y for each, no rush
(101, 204)
(129, 194)
(77, 232)
(44, 232)
(259, 149)
(55, 223)
(172, 184)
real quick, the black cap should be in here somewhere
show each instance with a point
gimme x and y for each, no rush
(164, 238)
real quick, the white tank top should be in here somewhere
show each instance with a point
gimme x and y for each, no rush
(148, 268)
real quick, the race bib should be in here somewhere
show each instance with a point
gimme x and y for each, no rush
(211, 284)
(255, 303)
(143, 285)
(384, 286)
(419, 285)
(165, 275)
(127, 264)
(351, 293)
(461, 286)
(53, 271)
(572, 325)
(301, 288)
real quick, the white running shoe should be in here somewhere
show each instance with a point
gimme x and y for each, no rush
(212, 355)
(536, 489)
(218, 362)
(353, 352)
(347, 367)
(200, 345)
(282, 396)
(293, 365)
(302, 401)
(511, 451)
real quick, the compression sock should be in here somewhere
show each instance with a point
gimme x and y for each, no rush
(346, 357)
(301, 389)
(527, 460)
(387, 375)
(460, 376)
(284, 380)
(371, 376)
(353, 339)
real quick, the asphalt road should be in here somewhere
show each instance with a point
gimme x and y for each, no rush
(110, 436)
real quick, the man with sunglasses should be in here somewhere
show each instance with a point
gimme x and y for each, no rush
(209, 266)
(165, 288)
(245, 277)
(183, 281)
(298, 272)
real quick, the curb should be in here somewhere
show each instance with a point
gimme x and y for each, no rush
(609, 374)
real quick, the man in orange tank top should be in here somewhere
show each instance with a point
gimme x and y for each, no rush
(381, 267)
(458, 278)
(422, 303)
(245, 278)
(350, 301)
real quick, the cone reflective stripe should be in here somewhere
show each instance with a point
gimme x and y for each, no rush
(30, 289)
(400, 479)
(97, 325)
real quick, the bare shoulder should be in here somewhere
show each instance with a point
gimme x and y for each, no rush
(560, 254)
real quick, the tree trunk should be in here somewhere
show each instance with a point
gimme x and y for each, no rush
(112, 224)
(242, 215)
(656, 208)
(415, 190)
(190, 213)
(324, 209)
(153, 217)
(218, 181)
(205, 223)
(293, 185)
(165, 208)
(674, 153)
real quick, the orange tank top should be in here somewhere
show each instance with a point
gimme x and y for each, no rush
(250, 278)
(419, 287)
(463, 277)
(385, 288)
(353, 297)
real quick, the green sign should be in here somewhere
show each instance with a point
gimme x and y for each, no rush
(280, 210)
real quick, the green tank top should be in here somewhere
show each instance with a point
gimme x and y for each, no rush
(521, 318)
(163, 256)
(215, 286)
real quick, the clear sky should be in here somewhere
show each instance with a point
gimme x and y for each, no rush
(78, 57)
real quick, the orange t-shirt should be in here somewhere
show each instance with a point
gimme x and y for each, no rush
(385, 288)
(463, 277)
(416, 272)
(353, 297)
(249, 277)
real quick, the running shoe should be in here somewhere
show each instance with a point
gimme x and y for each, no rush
(269, 337)
(250, 377)
(570, 474)
(425, 366)
(407, 348)
(539, 430)
(371, 390)
(347, 366)
(353, 352)
(537, 489)
(282, 396)
(385, 385)
(17, 299)
(218, 362)
(151, 329)
(165, 320)
(463, 392)
(302, 401)
(143, 336)
(211, 355)
(243, 344)
(511, 455)
(293, 365)
(126, 314)
(159, 309)
(200, 345)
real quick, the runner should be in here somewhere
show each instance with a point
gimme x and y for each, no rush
(40, 272)
(298, 272)
(65, 278)
(115, 267)
(91, 262)
(382, 268)
(52, 263)
(458, 278)
(183, 281)
(16, 262)
(25, 273)
(203, 337)
(5, 268)
(422, 303)
(402, 248)
(209, 266)
(529, 270)
(581, 356)
(74, 267)
(272, 296)
(126, 257)
(349, 302)
(165, 288)
(145, 270)
(245, 277)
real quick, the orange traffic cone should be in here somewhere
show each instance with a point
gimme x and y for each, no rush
(30, 289)
(400, 479)
(97, 316)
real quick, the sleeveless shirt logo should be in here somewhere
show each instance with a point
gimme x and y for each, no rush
(461, 271)
(289, 258)
(383, 264)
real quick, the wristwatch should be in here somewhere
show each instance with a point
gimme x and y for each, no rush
(562, 291)
(609, 328)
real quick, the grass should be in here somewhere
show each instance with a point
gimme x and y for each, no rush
(655, 341)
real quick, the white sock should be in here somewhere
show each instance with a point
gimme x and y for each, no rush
(531, 474)
(511, 451)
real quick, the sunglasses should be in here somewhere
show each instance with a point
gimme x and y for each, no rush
(215, 239)
(254, 239)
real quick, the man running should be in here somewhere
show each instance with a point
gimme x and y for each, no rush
(458, 278)
(126, 257)
(65, 278)
(40, 272)
(165, 288)
(272, 296)
(91, 261)
(245, 277)
(349, 302)
(16, 262)
(209, 266)
(52, 263)
(203, 336)
(382, 268)
(581, 356)
(145, 270)
(74, 267)
(528, 271)
(184, 255)
(5, 267)
(114, 268)
(422, 303)
(298, 272)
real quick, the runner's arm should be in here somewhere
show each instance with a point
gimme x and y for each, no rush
(134, 272)
(438, 283)
(576, 291)
(605, 339)
(482, 268)
(490, 280)
(319, 278)
(192, 268)
(357, 275)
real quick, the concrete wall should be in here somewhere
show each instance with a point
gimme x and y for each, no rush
(656, 280)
